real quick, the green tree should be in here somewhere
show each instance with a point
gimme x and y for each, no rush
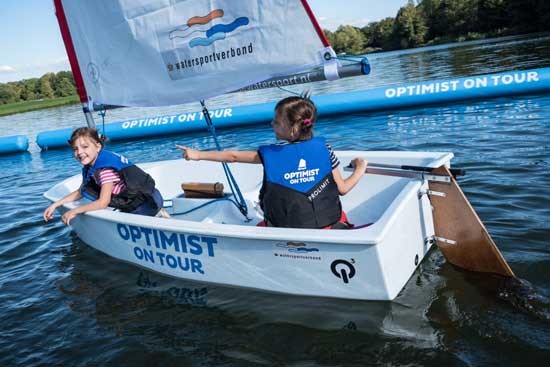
(430, 9)
(64, 88)
(381, 34)
(494, 15)
(17, 89)
(349, 39)
(7, 93)
(455, 17)
(330, 37)
(529, 15)
(44, 88)
(410, 27)
(63, 84)
(28, 91)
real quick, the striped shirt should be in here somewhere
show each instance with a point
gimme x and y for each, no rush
(106, 175)
(334, 161)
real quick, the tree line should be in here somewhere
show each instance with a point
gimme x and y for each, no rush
(429, 22)
(48, 86)
(423, 23)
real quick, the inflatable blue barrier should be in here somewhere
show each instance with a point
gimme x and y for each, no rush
(167, 125)
(13, 144)
(376, 99)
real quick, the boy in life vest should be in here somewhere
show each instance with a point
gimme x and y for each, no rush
(108, 179)
(302, 184)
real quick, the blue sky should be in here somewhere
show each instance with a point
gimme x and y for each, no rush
(31, 45)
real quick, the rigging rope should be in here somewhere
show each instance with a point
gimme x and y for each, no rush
(102, 112)
(205, 204)
(240, 202)
(352, 58)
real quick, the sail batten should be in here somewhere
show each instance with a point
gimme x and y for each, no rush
(156, 53)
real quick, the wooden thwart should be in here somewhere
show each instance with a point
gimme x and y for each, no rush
(202, 190)
(455, 219)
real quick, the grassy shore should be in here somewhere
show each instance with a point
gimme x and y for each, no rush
(13, 108)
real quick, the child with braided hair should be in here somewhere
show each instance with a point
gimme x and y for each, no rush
(302, 184)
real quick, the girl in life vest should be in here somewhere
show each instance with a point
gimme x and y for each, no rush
(302, 184)
(108, 179)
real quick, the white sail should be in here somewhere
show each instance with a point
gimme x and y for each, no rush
(165, 52)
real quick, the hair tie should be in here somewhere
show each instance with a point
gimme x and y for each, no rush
(307, 122)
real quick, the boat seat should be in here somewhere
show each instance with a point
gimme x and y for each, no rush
(212, 210)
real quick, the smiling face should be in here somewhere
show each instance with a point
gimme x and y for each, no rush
(85, 150)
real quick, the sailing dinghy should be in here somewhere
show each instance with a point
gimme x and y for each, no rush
(153, 53)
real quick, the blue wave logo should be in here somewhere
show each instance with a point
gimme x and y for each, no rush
(297, 247)
(201, 31)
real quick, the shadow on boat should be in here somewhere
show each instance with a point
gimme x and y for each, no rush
(123, 296)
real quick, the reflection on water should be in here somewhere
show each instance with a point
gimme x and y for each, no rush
(165, 312)
(125, 281)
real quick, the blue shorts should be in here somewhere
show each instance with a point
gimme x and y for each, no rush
(147, 209)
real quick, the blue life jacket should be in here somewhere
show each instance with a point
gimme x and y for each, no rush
(139, 185)
(298, 189)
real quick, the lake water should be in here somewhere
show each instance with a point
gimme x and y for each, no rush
(66, 304)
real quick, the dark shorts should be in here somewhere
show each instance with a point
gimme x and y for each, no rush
(147, 208)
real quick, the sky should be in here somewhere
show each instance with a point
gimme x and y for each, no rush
(31, 45)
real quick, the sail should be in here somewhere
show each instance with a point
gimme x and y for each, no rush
(166, 52)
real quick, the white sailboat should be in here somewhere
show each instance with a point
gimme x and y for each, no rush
(147, 54)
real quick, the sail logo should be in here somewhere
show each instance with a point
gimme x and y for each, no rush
(296, 251)
(297, 247)
(302, 164)
(182, 51)
(200, 30)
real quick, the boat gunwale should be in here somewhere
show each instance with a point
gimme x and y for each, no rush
(377, 230)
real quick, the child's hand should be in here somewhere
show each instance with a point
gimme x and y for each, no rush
(188, 153)
(48, 213)
(68, 216)
(359, 164)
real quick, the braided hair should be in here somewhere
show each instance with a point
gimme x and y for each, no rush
(299, 114)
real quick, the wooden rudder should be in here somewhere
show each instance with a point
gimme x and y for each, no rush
(455, 219)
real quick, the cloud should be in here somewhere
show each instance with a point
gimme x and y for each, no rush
(360, 22)
(27, 71)
(6, 69)
(64, 61)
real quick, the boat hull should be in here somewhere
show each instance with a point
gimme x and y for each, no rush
(218, 245)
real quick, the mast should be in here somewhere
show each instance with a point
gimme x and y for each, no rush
(316, 25)
(71, 53)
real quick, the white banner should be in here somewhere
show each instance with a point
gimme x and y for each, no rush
(166, 52)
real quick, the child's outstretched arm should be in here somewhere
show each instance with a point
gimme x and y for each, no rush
(345, 185)
(101, 203)
(73, 196)
(242, 156)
